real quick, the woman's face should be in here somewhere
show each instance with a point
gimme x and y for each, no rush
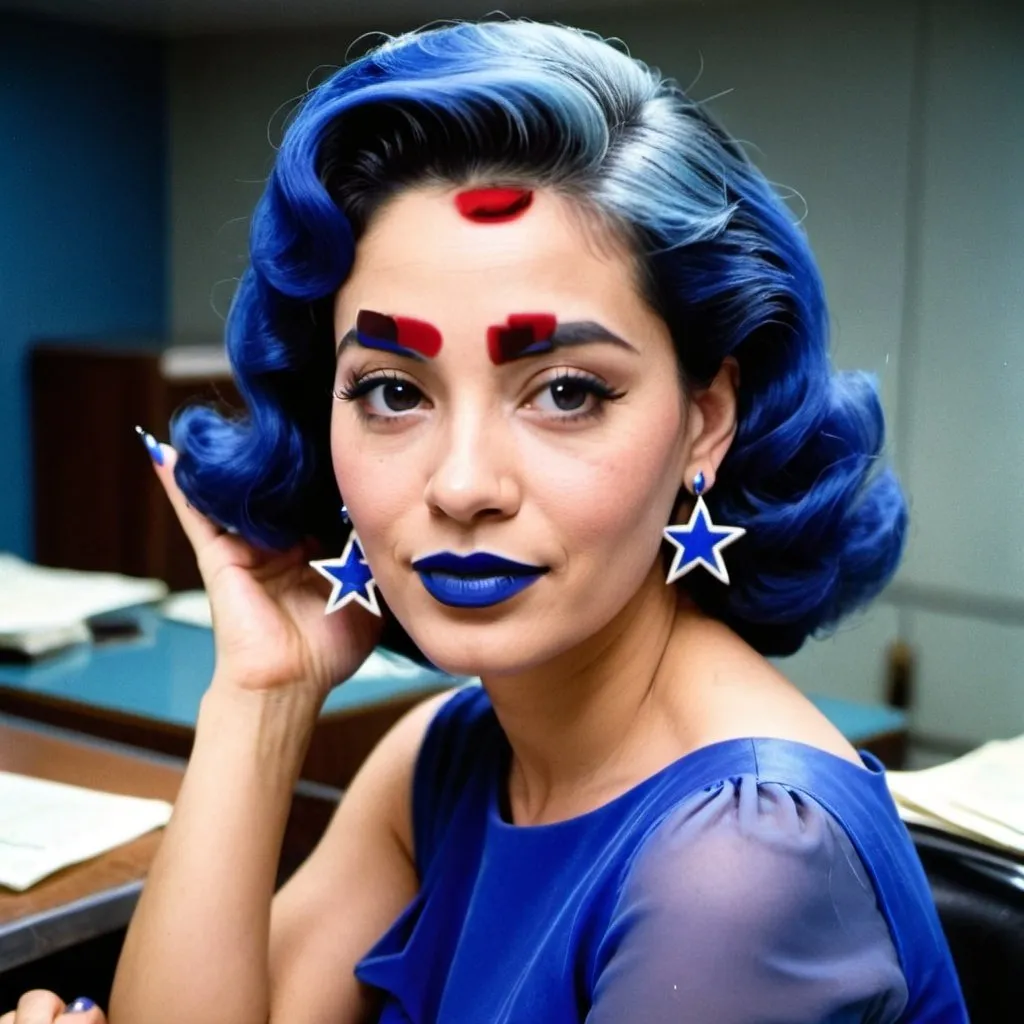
(556, 440)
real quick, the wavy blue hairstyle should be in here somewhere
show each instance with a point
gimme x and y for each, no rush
(719, 257)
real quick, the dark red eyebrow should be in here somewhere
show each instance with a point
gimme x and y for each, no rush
(400, 335)
(534, 334)
(522, 336)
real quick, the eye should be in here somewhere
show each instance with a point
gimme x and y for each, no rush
(571, 395)
(383, 396)
(393, 396)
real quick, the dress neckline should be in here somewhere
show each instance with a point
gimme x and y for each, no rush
(696, 763)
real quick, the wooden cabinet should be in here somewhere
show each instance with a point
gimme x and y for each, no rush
(97, 504)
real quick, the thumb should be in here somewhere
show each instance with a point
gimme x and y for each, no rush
(81, 1011)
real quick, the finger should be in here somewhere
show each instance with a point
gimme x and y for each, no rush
(37, 1007)
(82, 1011)
(199, 530)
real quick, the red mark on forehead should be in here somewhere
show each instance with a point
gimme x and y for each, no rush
(525, 334)
(493, 205)
(399, 334)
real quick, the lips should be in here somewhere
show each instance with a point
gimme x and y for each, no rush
(479, 563)
(477, 580)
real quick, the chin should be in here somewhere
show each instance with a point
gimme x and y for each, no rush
(463, 660)
(486, 649)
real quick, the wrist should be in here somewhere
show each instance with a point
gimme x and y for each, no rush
(273, 727)
(298, 693)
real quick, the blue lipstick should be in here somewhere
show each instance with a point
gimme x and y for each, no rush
(479, 580)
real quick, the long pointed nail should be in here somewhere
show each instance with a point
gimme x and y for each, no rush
(152, 446)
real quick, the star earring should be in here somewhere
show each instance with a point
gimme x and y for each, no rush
(700, 541)
(350, 576)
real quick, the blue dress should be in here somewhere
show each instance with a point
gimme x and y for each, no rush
(754, 880)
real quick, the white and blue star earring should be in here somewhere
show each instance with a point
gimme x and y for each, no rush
(350, 576)
(700, 541)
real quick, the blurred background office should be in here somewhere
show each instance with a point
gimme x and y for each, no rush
(135, 134)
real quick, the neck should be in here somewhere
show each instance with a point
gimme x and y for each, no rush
(587, 722)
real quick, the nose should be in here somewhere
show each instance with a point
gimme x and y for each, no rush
(474, 474)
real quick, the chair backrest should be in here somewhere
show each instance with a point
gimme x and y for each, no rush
(982, 912)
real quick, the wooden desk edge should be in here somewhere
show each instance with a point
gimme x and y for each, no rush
(341, 742)
(122, 727)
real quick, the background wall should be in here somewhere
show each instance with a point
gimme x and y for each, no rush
(964, 389)
(82, 211)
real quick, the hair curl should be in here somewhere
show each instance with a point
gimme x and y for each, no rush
(720, 258)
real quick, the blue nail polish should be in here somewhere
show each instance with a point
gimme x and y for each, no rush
(80, 1005)
(152, 446)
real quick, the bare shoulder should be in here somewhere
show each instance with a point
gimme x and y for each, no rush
(743, 694)
(352, 887)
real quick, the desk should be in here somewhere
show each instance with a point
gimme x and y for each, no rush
(146, 693)
(98, 896)
(88, 899)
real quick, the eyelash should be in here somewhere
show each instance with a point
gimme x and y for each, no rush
(356, 387)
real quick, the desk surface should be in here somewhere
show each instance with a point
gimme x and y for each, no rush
(162, 675)
(98, 896)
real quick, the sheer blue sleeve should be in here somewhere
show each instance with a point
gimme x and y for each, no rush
(747, 905)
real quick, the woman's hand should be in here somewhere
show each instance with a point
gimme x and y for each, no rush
(270, 629)
(41, 1007)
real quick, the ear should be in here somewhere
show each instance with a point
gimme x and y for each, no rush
(712, 425)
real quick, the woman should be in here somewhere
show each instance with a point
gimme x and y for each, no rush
(577, 348)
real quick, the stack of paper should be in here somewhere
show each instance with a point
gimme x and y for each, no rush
(979, 797)
(44, 609)
(46, 826)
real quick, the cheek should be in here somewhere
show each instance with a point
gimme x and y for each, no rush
(370, 482)
(617, 495)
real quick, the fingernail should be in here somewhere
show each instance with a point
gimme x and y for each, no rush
(152, 446)
(80, 1005)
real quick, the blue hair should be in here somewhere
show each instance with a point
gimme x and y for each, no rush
(719, 258)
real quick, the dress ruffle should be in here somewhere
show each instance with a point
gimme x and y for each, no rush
(404, 964)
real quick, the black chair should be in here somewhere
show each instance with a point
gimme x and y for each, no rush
(980, 899)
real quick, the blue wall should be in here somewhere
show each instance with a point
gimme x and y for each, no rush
(83, 235)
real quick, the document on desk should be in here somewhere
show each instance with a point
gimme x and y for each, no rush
(978, 796)
(46, 826)
(43, 609)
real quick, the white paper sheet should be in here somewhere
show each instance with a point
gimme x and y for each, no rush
(43, 608)
(46, 826)
(980, 795)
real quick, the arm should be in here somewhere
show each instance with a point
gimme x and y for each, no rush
(205, 943)
(196, 948)
(749, 905)
(352, 887)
